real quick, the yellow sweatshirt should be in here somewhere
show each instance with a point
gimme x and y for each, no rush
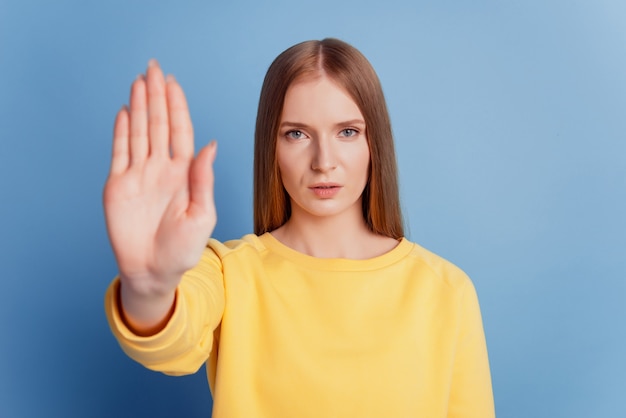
(289, 335)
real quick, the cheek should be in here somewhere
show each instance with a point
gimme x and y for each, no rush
(285, 170)
(280, 160)
(362, 160)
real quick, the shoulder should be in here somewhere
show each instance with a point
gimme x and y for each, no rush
(246, 245)
(438, 268)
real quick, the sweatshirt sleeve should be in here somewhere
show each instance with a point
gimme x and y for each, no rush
(187, 340)
(471, 392)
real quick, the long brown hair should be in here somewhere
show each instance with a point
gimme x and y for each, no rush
(345, 65)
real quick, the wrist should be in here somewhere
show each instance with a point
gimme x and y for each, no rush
(148, 287)
(144, 313)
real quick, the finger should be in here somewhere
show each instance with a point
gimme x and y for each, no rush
(120, 157)
(138, 122)
(181, 128)
(158, 125)
(201, 180)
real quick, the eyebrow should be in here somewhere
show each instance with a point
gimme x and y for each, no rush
(352, 122)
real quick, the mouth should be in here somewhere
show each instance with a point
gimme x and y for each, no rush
(325, 190)
(324, 186)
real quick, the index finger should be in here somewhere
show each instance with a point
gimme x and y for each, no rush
(181, 128)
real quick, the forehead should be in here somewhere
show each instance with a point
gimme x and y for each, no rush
(319, 98)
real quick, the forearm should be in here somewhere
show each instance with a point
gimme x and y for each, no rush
(186, 338)
(145, 315)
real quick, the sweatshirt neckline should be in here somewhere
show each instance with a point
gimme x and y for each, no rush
(400, 251)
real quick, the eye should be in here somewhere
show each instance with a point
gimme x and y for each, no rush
(295, 134)
(349, 132)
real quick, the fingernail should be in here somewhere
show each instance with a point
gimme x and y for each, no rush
(140, 77)
(152, 62)
(170, 78)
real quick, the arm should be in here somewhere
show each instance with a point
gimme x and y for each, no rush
(186, 340)
(158, 200)
(471, 393)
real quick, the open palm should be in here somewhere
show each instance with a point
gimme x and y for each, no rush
(158, 199)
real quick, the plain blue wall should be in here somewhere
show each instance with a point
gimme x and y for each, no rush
(510, 122)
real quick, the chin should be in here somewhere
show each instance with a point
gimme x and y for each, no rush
(330, 209)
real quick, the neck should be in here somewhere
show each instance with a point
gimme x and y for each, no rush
(341, 236)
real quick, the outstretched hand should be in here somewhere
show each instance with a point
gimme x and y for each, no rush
(158, 199)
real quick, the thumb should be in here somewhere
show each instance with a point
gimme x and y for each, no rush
(201, 181)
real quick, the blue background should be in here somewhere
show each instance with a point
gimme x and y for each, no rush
(510, 123)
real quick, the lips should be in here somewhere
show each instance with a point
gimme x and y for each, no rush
(324, 186)
(325, 190)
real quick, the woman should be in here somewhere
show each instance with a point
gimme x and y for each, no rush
(327, 310)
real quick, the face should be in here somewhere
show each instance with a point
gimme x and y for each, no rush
(322, 150)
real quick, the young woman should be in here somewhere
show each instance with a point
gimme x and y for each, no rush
(327, 310)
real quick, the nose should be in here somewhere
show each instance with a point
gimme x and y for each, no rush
(324, 158)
